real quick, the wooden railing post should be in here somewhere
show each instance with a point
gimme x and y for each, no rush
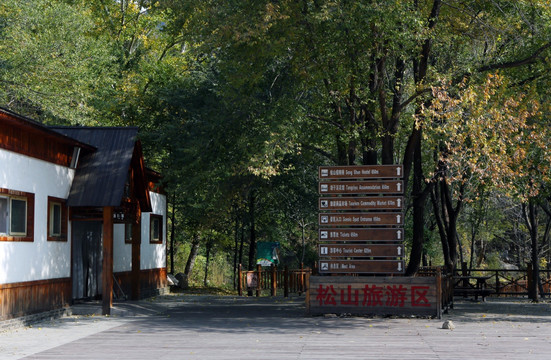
(439, 293)
(240, 280)
(286, 281)
(497, 283)
(301, 279)
(274, 280)
(259, 279)
(307, 293)
(530, 282)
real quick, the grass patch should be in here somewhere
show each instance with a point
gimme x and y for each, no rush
(204, 290)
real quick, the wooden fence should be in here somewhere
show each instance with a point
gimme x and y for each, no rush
(271, 279)
(446, 284)
(507, 282)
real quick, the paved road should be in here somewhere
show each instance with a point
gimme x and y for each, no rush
(211, 327)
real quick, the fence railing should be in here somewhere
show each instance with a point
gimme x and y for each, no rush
(444, 282)
(500, 282)
(509, 282)
(291, 281)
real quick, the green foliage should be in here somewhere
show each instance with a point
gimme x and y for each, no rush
(241, 100)
(220, 269)
(51, 69)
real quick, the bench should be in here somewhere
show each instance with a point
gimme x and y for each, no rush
(468, 292)
(464, 287)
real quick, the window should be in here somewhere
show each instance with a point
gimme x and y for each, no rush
(156, 229)
(4, 215)
(16, 215)
(57, 219)
(128, 233)
(74, 158)
(18, 218)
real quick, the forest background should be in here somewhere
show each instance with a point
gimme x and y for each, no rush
(239, 102)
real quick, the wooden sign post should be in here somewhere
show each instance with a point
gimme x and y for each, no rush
(363, 205)
(361, 233)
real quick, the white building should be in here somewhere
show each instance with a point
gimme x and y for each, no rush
(78, 211)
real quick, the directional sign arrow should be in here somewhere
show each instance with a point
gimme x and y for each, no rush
(359, 234)
(361, 203)
(358, 251)
(361, 187)
(360, 172)
(361, 266)
(364, 219)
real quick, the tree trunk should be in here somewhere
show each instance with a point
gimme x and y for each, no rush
(412, 153)
(241, 245)
(252, 240)
(342, 151)
(236, 249)
(173, 222)
(419, 197)
(369, 144)
(530, 213)
(473, 247)
(302, 226)
(191, 260)
(207, 262)
(435, 198)
(453, 215)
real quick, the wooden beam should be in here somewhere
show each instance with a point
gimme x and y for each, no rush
(136, 245)
(107, 271)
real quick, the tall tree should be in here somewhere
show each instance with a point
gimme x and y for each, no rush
(52, 63)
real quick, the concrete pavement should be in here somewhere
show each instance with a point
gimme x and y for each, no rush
(227, 327)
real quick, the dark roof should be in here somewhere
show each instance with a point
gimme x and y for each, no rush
(32, 125)
(101, 175)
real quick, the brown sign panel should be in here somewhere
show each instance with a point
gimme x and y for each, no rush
(363, 219)
(361, 172)
(361, 250)
(361, 235)
(374, 295)
(327, 266)
(361, 203)
(361, 187)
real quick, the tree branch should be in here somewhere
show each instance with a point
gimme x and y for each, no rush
(414, 96)
(512, 64)
(319, 118)
(320, 151)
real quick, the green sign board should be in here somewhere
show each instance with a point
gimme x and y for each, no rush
(267, 253)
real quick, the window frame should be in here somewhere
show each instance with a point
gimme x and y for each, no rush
(152, 219)
(62, 236)
(28, 198)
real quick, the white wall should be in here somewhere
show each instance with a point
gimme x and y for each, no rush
(153, 256)
(122, 252)
(40, 259)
